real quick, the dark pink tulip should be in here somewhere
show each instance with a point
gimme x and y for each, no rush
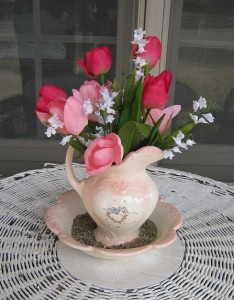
(155, 93)
(153, 50)
(48, 93)
(96, 62)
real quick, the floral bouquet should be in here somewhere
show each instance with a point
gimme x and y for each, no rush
(105, 120)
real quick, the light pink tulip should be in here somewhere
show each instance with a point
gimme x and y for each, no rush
(102, 152)
(170, 112)
(75, 119)
(91, 90)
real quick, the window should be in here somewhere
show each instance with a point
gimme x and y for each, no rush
(201, 56)
(39, 43)
(40, 40)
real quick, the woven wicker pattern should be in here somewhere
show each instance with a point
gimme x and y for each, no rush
(30, 269)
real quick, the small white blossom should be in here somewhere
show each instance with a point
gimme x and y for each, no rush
(106, 104)
(110, 111)
(184, 146)
(100, 119)
(139, 40)
(139, 74)
(194, 118)
(141, 44)
(88, 107)
(84, 142)
(100, 131)
(202, 102)
(190, 142)
(176, 150)
(199, 104)
(110, 119)
(197, 120)
(168, 154)
(202, 120)
(178, 138)
(139, 34)
(195, 106)
(209, 117)
(105, 93)
(65, 140)
(50, 131)
(54, 122)
(114, 94)
(106, 101)
(139, 62)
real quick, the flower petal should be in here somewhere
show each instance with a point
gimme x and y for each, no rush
(74, 116)
(51, 92)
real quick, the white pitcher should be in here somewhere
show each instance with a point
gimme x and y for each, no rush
(122, 198)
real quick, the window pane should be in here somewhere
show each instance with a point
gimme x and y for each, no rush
(206, 65)
(39, 44)
(93, 17)
(17, 82)
(65, 72)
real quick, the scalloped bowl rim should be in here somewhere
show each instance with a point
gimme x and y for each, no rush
(70, 199)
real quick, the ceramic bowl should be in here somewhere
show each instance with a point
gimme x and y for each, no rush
(59, 219)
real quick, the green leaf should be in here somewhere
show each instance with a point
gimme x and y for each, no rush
(129, 97)
(124, 117)
(185, 129)
(77, 145)
(92, 126)
(118, 99)
(155, 131)
(132, 134)
(136, 111)
(129, 87)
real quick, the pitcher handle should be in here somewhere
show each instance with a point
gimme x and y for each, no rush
(75, 183)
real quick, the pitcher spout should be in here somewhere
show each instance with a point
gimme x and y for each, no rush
(143, 157)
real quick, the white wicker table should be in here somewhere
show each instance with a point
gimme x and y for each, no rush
(30, 267)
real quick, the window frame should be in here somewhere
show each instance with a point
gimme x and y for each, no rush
(157, 17)
(17, 155)
(211, 160)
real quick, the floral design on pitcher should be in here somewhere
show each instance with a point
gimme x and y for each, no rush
(117, 214)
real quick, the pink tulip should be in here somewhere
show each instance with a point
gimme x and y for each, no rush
(96, 62)
(75, 118)
(155, 93)
(48, 93)
(90, 90)
(102, 152)
(170, 112)
(153, 50)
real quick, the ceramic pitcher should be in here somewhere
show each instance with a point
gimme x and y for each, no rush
(122, 198)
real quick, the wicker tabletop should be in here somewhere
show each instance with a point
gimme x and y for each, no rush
(30, 267)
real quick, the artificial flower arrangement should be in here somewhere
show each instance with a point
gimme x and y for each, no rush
(104, 121)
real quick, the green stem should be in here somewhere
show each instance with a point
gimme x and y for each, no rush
(78, 145)
(185, 129)
(146, 69)
(146, 115)
(102, 79)
(84, 135)
(104, 122)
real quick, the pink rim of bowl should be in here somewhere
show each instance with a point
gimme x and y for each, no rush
(60, 216)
